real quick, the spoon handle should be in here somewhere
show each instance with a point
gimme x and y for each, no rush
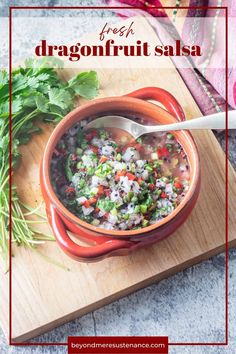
(213, 121)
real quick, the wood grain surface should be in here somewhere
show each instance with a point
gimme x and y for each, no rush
(45, 296)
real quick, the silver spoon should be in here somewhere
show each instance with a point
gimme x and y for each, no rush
(213, 121)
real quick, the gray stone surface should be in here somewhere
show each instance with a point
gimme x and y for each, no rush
(188, 307)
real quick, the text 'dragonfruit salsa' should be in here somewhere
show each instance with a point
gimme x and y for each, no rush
(113, 182)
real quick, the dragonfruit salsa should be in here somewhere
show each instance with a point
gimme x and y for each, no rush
(116, 183)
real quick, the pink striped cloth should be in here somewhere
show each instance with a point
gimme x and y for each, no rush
(208, 87)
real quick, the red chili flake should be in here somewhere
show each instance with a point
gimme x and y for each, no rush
(97, 210)
(163, 152)
(163, 195)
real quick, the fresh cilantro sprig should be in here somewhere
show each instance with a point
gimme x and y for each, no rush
(38, 94)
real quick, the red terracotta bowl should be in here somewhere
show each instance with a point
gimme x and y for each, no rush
(106, 243)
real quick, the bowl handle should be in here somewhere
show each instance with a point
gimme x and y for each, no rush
(81, 253)
(162, 96)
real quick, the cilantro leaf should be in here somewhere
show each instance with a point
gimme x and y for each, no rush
(16, 105)
(41, 102)
(19, 83)
(4, 91)
(43, 88)
(44, 62)
(3, 77)
(85, 84)
(105, 205)
(60, 98)
(29, 100)
(33, 82)
(56, 109)
(4, 109)
(43, 77)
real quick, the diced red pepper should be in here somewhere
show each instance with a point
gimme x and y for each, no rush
(119, 174)
(73, 157)
(97, 210)
(178, 185)
(92, 200)
(139, 180)
(151, 186)
(94, 149)
(130, 176)
(86, 204)
(100, 190)
(163, 152)
(103, 159)
(163, 195)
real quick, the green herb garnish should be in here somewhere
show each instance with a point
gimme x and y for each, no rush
(38, 94)
(105, 205)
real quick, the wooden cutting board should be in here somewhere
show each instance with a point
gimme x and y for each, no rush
(45, 296)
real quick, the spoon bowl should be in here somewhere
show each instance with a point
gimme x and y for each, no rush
(131, 127)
